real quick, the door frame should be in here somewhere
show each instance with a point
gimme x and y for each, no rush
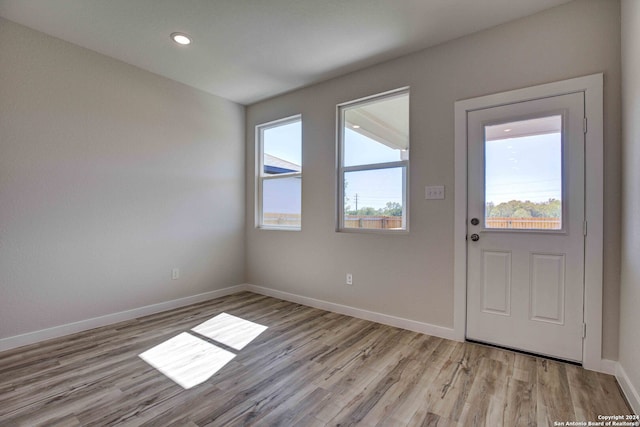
(592, 87)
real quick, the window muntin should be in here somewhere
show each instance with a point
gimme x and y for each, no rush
(373, 165)
(280, 174)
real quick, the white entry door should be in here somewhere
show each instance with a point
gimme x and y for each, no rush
(525, 229)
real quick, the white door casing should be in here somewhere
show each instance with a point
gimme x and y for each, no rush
(592, 88)
(525, 285)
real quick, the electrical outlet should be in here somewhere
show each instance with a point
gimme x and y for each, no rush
(434, 192)
(175, 274)
(349, 279)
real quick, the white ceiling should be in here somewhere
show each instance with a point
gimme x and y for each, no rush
(249, 50)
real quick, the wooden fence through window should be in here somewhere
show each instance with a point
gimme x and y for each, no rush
(525, 223)
(381, 222)
(375, 222)
(281, 219)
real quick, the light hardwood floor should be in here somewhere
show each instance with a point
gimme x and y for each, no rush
(308, 368)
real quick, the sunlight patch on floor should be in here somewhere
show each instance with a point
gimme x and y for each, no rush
(187, 360)
(230, 330)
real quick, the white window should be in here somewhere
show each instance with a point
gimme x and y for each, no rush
(373, 147)
(279, 185)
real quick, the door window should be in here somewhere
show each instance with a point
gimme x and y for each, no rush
(523, 174)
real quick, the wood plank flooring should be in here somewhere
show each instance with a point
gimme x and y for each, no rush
(308, 368)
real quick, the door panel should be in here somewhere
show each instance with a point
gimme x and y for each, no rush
(496, 283)
(526, 189)
(547, 288)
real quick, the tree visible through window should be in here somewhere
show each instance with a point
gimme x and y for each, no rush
(280, 174)
(374, 160)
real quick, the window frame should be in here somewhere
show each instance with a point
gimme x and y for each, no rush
(341, 169)
(261, 177)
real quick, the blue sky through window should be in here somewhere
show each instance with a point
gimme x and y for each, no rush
(373, 188)
(361, 150)
(524, 168)
(284, 142)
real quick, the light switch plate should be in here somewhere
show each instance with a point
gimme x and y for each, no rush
(434, 192)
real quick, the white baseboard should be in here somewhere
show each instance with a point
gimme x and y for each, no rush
(629, 390)
(96, 322)
(608, 366)
(385, 319)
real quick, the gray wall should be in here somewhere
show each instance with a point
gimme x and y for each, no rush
(109, 177)
(411, 276)
(630, 287)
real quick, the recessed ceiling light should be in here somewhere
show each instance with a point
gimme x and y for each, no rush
(181, 38)
(507, 130)
(356, 126)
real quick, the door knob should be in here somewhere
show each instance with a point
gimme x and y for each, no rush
(474, 221)
(475, 237)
